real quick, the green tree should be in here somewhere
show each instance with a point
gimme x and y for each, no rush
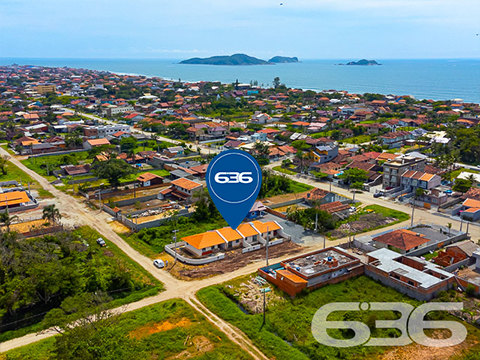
(353, 175)
(51, 213)
(113, 170)
(96, 335)
(276, 82)
(3, 163)
(462, 185)
(7, 220)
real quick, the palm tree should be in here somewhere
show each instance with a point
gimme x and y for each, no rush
(7, 220)
(472, 179)
(51, 213)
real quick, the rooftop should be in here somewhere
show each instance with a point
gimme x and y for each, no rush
(315, 263)
(390, 261)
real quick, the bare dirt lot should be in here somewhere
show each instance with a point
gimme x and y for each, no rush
(233, 260)
(283, 198)
(364, 222)
(415, 351)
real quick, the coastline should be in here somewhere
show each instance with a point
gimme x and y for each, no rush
(440, 79)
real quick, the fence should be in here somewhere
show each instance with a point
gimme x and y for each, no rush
(57, 153)
(186, 260)
(286, 203)
(135, 226)
(457, 265)
(251, 248)
(81, 181)
(276, 213)
(109, 193)
(275, 242)
(44, 231)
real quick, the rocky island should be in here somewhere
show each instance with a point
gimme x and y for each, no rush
(236, 59)
(283, 60)
(363, 62)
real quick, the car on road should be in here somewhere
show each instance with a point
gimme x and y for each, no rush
(159, 263)
(378, 194)
(101, 242)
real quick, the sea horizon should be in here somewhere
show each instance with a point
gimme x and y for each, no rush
(437, 79)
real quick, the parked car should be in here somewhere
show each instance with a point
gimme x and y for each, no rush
(159, 263)
(101, 242)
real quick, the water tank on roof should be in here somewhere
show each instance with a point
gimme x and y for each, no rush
(329, 258)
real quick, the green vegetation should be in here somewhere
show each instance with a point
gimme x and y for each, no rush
(387, 212)
(310, 217)
(41, 274)
(283, 170)
(113, 170)
(46, 164)
(13, 172)
(360, 139)
(273, 184)
(138, 335)
(462, 185)
(151, 242)
(290, 320)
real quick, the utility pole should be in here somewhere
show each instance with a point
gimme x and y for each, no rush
(175, 241)
(134, 190)
(264, 307)
(266, 253)
(467, 227)
(413, 211)
(461, 224)
(316, 222)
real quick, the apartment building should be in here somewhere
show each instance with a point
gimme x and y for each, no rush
(393, 170)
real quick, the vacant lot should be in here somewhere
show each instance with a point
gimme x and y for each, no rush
(287, 333)
(370, 217)
(168, 330)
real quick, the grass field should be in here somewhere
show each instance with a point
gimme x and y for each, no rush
(151, 242)
(287, 333)
(387, 212)
(283, 170)
(360, 139)
(151, 286)
(162, 331)
(39, 164)
(15, 173)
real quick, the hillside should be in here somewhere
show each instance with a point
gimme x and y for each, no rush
(363, 62)
(283, 59)
(236, 59)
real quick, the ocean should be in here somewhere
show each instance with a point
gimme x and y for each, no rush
(441, 79)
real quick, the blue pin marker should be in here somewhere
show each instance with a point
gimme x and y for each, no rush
(234, 179)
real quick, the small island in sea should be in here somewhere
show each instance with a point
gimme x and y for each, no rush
(363, 62)
(236, 59)
(283, 60)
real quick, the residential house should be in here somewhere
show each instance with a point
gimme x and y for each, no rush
(174, 151)
(401, 241)
(182, 189)
(393, 169)
(149, 179)
(412, 276)
(396, 139)
(312, 270)
(225, 239)
(455, 253)
(89, 144)
(261, 118)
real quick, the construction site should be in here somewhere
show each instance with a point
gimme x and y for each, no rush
(312, 270)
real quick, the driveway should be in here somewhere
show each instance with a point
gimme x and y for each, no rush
(299, 235)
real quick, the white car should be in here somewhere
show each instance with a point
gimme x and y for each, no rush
(159, 263)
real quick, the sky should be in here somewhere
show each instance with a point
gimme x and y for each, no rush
(179, 29)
